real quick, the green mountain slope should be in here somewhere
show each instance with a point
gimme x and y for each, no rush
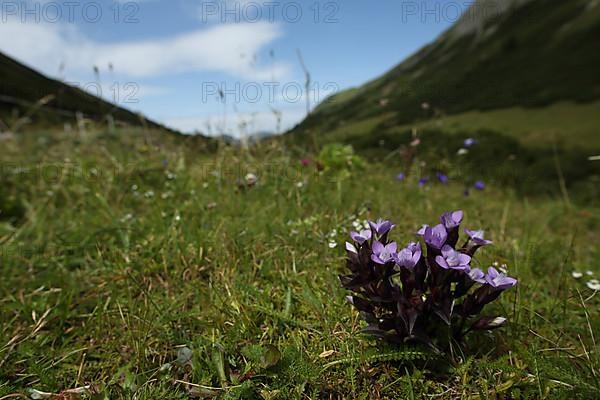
(21, 88)
(532, 54)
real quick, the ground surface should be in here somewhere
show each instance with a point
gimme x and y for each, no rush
(136, 265)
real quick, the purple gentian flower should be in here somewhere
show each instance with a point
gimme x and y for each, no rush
(421, 232)
(361, 237)
(443, 178)
(498, 280)
(436, 236)
(381, 227)
(452, 259)
(401, 177)
(477, 275)
(409, 256)
(477, 237)
(423, 181)
(452, 219)
(479, 185)
(383, 254)
(470, 142)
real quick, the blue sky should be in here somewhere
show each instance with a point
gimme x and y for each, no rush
(169, 57)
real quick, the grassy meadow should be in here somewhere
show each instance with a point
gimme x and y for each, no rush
(568, 125)
(136, 266)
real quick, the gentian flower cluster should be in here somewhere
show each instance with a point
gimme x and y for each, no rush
(426, 292)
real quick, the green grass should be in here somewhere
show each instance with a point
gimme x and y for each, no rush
(566, 125)
(546, 167)
(206, 283)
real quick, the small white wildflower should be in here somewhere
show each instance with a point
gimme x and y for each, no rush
(170, 175)
(462, 152)
(576, 274)
(495, 264)
(205, 185)
(126, 218)
(134, 188)
(594, 284)
(589, 273)
(332, 244)
(251, 179)
(149, 194)
(300, 185)
(177, 218)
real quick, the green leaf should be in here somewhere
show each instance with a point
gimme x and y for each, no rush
(218, 359)
(270, 357)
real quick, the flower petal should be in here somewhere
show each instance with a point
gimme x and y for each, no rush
(441, 262)
(376, 259)
(350, 247)
(377, 247)
(464, 259)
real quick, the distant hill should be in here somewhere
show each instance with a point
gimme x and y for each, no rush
(21, 88)
(533, 54)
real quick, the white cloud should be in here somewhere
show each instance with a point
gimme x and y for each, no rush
(216, 48)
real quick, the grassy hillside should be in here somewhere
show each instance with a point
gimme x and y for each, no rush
(566, 125)
(139, 269)
(534, 54)
(21, 88)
